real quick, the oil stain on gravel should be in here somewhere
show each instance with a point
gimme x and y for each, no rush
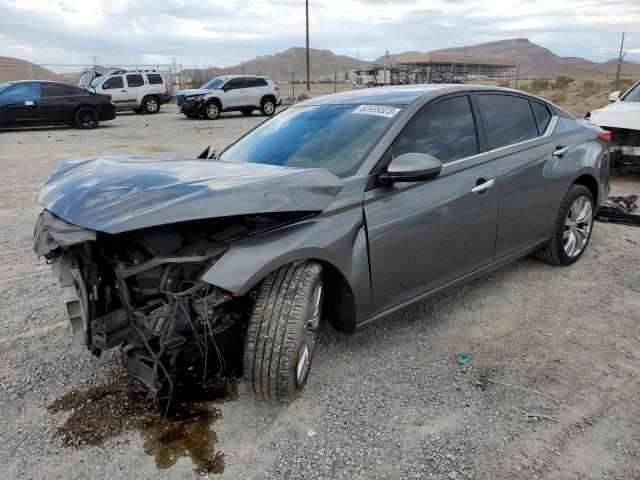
(108, 410)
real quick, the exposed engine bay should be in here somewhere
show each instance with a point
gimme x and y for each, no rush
(142, 290)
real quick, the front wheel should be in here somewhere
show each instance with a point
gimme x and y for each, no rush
(281, 335)
(211, 111)
(572, 229)
(86, 118)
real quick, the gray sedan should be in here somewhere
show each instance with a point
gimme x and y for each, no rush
(344, 208)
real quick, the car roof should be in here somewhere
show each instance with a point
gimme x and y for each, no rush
(229, 77)
(16, 82)
(401, 94)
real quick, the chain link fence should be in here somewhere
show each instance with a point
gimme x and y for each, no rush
(69, 73)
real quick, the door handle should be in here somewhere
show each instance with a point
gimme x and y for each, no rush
(560, 151)
(483, 187)
(123, 91)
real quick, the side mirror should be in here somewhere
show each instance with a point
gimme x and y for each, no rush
(411, 167)
(225, 88)
(614, 96)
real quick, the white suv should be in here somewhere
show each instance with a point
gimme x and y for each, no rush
(137, 90)
(243, 93)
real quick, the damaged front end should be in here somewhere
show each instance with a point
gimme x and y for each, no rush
(142, 290)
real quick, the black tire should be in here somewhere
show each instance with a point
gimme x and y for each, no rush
(277, 329)
(211, 110)
(554, 252)
(150, 104)
(268, 106)
(247, 111)
(86, 118)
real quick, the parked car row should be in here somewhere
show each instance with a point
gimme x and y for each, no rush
(98, 97)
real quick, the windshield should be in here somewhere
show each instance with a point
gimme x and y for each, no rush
(633, 95)
(97, 81)
(4, 86)
(214, 83)
(335, 137)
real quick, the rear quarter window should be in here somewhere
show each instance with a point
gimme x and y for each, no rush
(155, 79)
(542, 115)
(55, 90)
(508, 119)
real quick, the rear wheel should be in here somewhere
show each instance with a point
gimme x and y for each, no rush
(281, 336)
(572, 229)
(150, 104)
(267, 106)
(86, 118)
(211, 110)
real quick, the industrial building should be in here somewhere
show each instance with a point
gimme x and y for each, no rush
(413, 68)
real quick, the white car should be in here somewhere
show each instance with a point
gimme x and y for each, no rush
(243, 93)
(137, 90)
(622, 119)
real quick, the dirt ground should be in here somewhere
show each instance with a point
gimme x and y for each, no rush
(550, 391)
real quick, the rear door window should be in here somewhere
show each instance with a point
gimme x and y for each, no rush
(445, 130)
(508, 119)
(155, 78)
(135, 80)
(113, 83)
(50, 90)
(255, 82)
(235, 83)
(542, 115)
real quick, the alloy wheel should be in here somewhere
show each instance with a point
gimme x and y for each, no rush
(269, 107)
(577, 226)
(309, 335)
(152, 105)
(88, 118)
(212, 110)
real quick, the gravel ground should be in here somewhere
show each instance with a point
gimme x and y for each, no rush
(550, 392)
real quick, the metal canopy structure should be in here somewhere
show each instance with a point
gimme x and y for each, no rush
(452, 68)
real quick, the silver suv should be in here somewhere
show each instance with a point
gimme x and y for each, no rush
(137, 90)
(230, 93)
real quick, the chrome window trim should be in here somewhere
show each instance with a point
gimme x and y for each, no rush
(547, 132)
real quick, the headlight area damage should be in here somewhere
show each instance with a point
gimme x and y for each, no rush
(142, 289)
(130, 238)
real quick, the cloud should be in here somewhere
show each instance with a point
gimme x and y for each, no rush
(223, 33)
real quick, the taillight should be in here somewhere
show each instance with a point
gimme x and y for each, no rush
(277, 87)
(606, 136)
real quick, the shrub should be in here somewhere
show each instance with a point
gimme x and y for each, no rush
(562, 81)
(539, 84)
(504, 84)
(558, 97)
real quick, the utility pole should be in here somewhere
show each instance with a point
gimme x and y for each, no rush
(94, 60)
(335, 81)
(518, 74)
(620, 57)
(293, 87)
(306, 4)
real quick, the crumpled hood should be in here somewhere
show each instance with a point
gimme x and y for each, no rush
(114, 194)
(193, 91)
(618, 115)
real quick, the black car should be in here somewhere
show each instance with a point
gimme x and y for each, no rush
(28, 103)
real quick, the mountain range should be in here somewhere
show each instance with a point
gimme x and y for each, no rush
(536, 61)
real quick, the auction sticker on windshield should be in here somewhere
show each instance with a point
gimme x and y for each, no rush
(380, 110)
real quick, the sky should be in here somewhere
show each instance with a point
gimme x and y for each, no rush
(225, 32)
